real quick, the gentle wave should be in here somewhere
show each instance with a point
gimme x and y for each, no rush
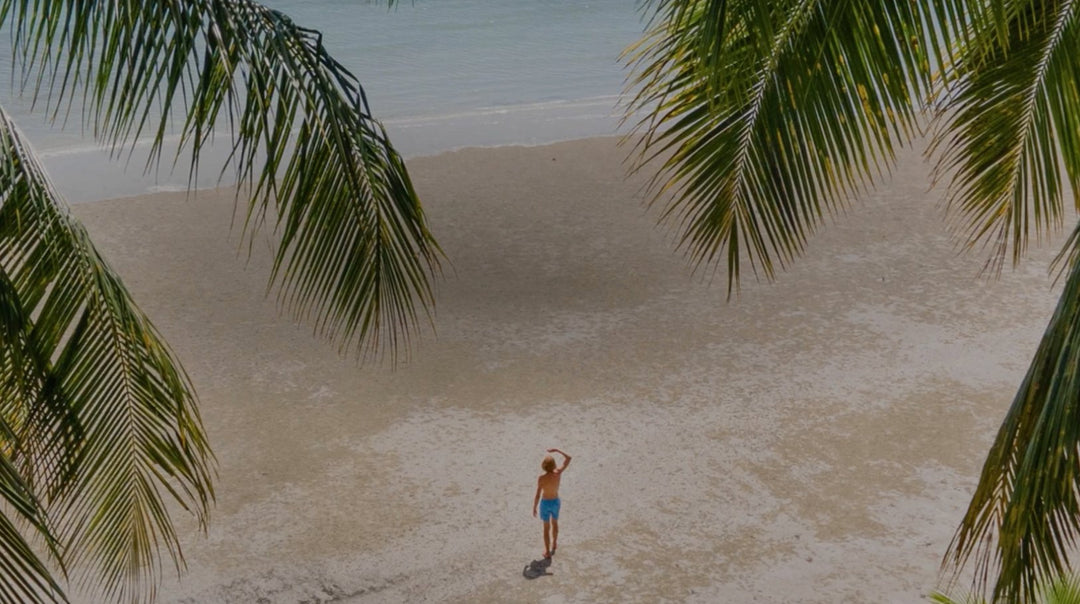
(555, 107)
(556, 110)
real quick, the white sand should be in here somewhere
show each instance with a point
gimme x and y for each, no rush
(814, 440)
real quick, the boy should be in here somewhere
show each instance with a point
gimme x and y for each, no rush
(548, 486)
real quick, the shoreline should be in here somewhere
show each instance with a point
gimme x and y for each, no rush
(409, 159)
(815, 439)
(529, 124)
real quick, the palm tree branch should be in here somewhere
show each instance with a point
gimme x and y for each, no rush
(133, 407)
(816, 94)
(1024, 517)
(340, 196)
(1008, 125)
(23, 576)
(45, 431)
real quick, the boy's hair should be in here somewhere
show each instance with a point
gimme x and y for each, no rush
(548, 464)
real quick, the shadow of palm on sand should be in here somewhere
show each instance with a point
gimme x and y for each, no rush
(537, 568)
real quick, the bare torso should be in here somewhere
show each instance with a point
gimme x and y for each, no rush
(549, 484)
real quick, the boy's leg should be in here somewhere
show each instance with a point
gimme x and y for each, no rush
(554, 534)
(547, 539)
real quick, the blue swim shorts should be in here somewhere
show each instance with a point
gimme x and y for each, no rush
(549, 508)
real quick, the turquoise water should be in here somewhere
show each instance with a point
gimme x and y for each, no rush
(440, 74)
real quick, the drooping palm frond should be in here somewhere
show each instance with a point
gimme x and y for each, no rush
(140, 442)
(1063, 589)
(1008, 134)
(1024, 517)
(355, 255)
(23, 576)
(38, 447)
(815, 96)
(45, 434)
(1009, 121)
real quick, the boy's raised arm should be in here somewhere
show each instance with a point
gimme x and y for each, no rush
(566, 458)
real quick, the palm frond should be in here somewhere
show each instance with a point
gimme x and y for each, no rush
(45, 432)
(38, 448)
(1009, 121)
(1024, 517)
(1063, 590)
(140, 439)
(815, 97)
(23, 576)
(355, 255)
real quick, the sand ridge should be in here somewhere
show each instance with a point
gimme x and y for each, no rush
(813, 440)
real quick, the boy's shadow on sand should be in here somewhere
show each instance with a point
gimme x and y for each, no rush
(537, 568)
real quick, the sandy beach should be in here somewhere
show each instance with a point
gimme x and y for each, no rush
(812, 440)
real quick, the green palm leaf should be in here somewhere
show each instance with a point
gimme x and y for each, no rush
(1062, 589)
(104, 416)
(765, 116)
(1010, 120)
(23, 576)
(1024, 517)
(38, 443)
(815, 97)
(44, 432)
(355, 255)
(1008, 133)
(129, 408)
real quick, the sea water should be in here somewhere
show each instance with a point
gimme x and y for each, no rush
(439, 74)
